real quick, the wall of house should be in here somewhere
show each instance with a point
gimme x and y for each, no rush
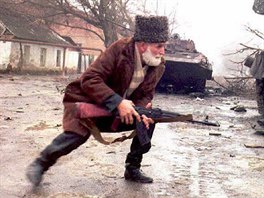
(5, 50)
(10, 53)
(49, 54)
(32, 58)
(71, 60)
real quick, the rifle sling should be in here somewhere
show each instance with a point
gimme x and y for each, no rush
(87, 123)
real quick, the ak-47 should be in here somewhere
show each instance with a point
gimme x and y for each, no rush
(87, 110)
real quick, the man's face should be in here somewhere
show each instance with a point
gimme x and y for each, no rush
(153, 53)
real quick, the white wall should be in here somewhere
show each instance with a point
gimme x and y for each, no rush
(5, 49)
(10, 53)
(35, 50)
(71, 61)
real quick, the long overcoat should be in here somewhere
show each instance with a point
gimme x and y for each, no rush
(110, 73)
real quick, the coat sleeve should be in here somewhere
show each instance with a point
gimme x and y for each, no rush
(94, 79)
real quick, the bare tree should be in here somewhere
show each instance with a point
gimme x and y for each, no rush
(248, 49)
(111, 16)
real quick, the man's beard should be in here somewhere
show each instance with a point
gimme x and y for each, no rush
(150, 59)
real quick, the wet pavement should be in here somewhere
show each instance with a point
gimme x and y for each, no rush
(186, 160)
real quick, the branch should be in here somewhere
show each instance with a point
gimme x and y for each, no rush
(224, 86)
(246, 47)
(78, 27)
(256, 32)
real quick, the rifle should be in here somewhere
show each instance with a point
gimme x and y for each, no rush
(87, 110)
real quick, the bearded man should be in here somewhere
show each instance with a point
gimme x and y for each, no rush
(123, 76)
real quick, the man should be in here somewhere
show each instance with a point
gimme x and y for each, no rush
(123, 76)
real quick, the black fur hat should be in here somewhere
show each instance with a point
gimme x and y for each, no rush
(151, 29)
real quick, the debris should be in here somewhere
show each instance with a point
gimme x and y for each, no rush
(215, 133)
(61, 91)
(259, 132)
(58, 125)
(7, 118)
(40, 126)
(111, 152)
(253, 146)
(239, 108)
(197, 95)
(199, 99)
(261, 121)
(226, 91)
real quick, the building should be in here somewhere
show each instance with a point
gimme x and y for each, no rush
(28, 45)
(91, 45)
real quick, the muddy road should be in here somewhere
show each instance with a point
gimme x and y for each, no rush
(186, 160)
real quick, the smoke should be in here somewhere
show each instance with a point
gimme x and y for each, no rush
(216, 27)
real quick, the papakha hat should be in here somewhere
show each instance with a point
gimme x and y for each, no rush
(151, 29)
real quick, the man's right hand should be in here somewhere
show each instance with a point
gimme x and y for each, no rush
(126, 112)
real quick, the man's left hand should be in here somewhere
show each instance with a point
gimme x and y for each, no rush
(147, 121)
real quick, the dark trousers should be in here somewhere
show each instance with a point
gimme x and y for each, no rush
(68, 141)
(134, 157)
(63, 144)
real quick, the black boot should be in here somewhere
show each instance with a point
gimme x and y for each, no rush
(134, 159)
(136, 175)
(61, 145)
(34, 172)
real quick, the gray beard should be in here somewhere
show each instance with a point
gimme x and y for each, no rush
(151, 60)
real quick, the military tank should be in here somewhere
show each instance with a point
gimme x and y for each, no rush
(186, 69)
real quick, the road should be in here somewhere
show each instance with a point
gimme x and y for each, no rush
(186, 160)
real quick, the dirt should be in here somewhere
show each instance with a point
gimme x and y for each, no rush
(186, 160)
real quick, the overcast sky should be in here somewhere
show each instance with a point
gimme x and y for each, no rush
(216, 26)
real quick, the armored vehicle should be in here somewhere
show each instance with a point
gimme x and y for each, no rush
(186, 69)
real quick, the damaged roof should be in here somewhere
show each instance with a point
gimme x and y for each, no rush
(20, 27)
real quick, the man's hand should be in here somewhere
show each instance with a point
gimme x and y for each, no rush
(126, 112)
(145, 119)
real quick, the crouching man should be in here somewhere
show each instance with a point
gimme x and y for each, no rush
(123, 76)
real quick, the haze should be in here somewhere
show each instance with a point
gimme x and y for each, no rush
(217, 27)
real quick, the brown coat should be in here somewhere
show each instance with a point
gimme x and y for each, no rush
(110, 73)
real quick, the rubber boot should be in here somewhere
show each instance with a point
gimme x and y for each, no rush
(61, 145)
(136, 175)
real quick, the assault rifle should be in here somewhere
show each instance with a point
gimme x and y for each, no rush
(87, 110)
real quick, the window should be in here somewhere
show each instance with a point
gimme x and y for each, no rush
(58, 58)
(43, 53)
(26, 54)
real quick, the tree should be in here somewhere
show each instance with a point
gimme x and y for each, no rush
(111, 16)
